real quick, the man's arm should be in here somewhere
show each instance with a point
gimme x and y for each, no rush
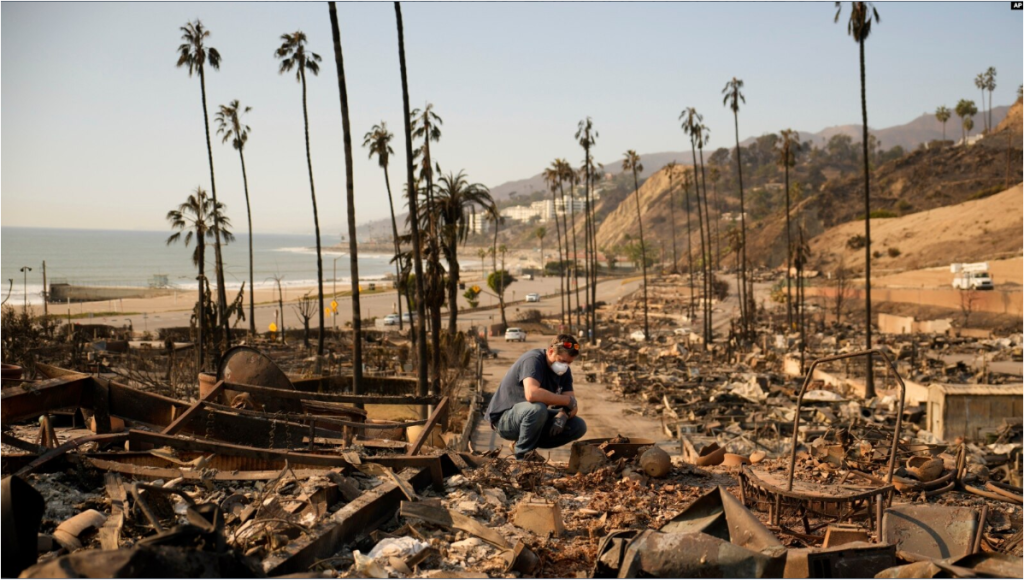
(536, 394)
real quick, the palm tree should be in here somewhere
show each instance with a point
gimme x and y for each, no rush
(378, 141)
(692, 127)
(787, 146)
(586, 136)
(862, 15)
(454, 199)
(229, 124)
(350, 206)
(539, 233)
(670, 171)
(990, 85)
(703, 134)
(631, 162)
(293, 55)
(733, 98)
(421, 329)
(942, 114)
(426, 125)
(553, 180)
(965, 109)
(687, 181)
(570, 177)
(195, 218)
(968, 125)
(980, 82)
(194, 53)
(716, 174)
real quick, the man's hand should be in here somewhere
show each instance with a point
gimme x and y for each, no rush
(573, 406)
(559, 425)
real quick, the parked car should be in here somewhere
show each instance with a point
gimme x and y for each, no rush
(391, 320)
(638, 336)
(408, 316)
(533, 297)
(515, 334)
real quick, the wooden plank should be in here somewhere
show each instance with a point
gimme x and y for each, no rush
(160, 440)
(13, 441)
(442, 408)
(68, 446)
(191, 412)
(110, 533)
(268, 392)
(168, 473)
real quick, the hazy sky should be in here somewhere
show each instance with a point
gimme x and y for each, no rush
(100, 130)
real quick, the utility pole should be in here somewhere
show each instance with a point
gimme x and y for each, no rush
(46, 294)
(25, 270)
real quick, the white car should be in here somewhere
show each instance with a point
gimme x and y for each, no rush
(408, 316)
(638, 336)
(391, 320)
(533, 297)
(682, 331)
(515, 334)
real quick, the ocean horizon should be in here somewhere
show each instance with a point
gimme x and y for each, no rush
(127, 258)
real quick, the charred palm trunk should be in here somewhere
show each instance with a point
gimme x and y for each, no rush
(672, 220)
(689, 252)
(316, 222)
(745, 313)
(421, 330)
(703, 248)
(575, 256)
(710, 279)
(398, 250)
(870, 382)
(248, 213)
(437, 275)
(789, 255)
(222, 301)
(558, 242)
(643, 251)
(201, 303)
(350, 202)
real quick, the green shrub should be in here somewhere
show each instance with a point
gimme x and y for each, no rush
(893, 252)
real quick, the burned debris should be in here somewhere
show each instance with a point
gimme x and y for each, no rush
(765, 466)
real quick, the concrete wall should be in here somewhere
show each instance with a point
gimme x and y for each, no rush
(999, 301)
(952, 416)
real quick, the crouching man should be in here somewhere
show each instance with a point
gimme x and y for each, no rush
(535, 405)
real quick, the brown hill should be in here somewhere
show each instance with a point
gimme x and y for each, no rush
(982, 229)
(921, 180)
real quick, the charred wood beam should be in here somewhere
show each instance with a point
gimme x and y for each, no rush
(365, 513)
(29, 401)
(440, 411)
(187, 416)
(267, 393)
(205, 446)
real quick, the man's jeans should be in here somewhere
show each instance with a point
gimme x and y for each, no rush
(529, 425)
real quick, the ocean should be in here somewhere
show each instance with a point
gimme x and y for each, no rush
(134, 258)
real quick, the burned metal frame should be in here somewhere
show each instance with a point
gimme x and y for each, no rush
(756, 491)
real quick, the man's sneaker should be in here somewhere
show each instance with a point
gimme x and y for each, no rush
(532, 457)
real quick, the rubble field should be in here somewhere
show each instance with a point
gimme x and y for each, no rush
(785, 460)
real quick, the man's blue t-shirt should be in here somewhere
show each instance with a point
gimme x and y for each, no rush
(533, 363)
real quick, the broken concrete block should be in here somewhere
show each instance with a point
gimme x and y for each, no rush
(541, 518)
(585, 458)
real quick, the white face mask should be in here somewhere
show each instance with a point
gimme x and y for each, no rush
(560, 368)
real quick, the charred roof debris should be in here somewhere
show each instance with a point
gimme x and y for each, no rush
(775, 465)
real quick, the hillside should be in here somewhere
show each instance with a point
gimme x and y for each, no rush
(982, 229)
(923, 129)
(922, 180)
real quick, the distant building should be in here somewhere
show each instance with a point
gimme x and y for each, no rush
(477, 223)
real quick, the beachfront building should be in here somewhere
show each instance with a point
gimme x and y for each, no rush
(478, 223)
